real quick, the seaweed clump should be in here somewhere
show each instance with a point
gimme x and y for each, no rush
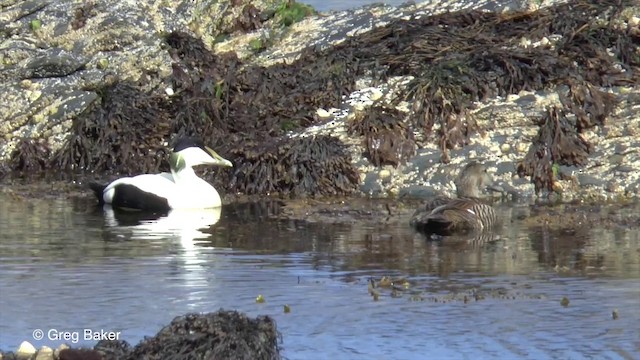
(82, 14)
(557, 142)
(30, 155)
(387, 139)
(302, 166)
(458, 58)
(245, 111)
(220, 335)
(125, 133)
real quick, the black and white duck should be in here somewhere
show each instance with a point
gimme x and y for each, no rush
(179, 189)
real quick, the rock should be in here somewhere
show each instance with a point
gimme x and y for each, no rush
(45, 353)
(385, 175)
(56, 352)
(80, 354)
(25, 350)
(322, 113)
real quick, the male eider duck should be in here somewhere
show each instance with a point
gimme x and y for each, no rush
(446, 216)
(180, 189)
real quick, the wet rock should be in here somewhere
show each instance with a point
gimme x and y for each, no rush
(371, 185)
(417, 192)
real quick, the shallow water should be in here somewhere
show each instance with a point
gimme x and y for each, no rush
(66, 266)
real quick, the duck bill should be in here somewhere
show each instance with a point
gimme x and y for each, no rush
(496, 188)
(217, 159)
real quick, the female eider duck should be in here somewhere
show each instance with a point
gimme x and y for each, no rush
(180, 189)
(446, 216)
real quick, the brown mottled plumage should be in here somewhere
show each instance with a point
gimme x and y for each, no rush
(445, 216)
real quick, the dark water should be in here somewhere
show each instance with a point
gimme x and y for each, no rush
(67, 267)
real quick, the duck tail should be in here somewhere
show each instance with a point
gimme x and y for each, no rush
(98, 190)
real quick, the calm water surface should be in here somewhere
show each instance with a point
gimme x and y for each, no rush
(68, 266)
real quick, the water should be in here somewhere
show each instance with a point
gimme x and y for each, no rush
(66, 266)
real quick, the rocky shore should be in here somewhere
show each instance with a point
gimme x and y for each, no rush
(219, 335)
(379, 101)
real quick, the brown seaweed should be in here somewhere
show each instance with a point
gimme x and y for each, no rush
(314, 165)
(387, 139)
(557, 142)
(30, 155)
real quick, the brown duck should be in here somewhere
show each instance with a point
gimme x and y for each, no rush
(446, 216)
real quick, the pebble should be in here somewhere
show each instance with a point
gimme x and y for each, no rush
(322, 113)
(384, 174)
(505, 148)
(26, 350)
(45, 353)
(522, 147)
(376, 94)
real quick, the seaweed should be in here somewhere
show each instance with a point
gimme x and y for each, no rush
(387, 139)
(82, 14)
(590, 105)
(220, 335)
(30, 156)
(125, 132)
(557, 142)
(302, 166)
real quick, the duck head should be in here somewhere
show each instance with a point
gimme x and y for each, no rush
(473, 180)
(189, 152)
